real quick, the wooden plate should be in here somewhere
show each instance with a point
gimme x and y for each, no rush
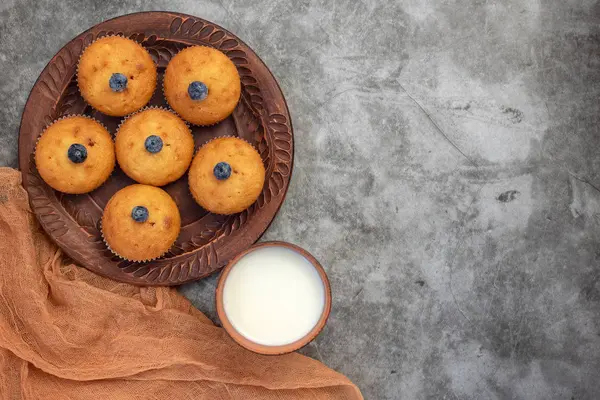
(207, 241)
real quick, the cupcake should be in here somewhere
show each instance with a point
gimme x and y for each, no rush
(226, 176)
(154, 147)
(140, 222)
(75, 155)
(202, 85)
(116, 76)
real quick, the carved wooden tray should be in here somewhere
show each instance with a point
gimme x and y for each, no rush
(207, 241)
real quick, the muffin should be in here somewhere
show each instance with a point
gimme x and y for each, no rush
(226, 176)
(154, 147)
(75, 155)
(202, 85)
(116, 75)
(140, 222)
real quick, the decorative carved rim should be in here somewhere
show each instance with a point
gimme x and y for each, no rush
(207, 244)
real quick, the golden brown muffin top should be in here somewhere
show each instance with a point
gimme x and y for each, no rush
(75, 155)
(214, 70)
(140, 222)
(154, 147)
(106, 59)
(242, 186)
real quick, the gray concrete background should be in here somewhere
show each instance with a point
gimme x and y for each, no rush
(446, 174)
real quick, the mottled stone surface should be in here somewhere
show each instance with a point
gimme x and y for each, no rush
(446, 175)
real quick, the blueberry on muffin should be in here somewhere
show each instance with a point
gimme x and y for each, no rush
(140, 222)
(154, 147)
(75, 155)
(116, 75)
(202, 85)
(226, 176)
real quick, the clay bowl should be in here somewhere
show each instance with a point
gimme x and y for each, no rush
(260, 348)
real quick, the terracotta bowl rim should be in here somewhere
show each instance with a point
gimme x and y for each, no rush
(286, 348)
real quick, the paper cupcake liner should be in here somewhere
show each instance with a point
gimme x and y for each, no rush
(226, 136)
(79, 61)
(196, 152)
(146, 108)
(67, 117)
(167, 100)
(127, 259)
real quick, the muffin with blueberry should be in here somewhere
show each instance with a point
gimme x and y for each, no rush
(226, 176)
(116, 75)
(154, 147)
(202, 85)
(75, 155)
(140, 222)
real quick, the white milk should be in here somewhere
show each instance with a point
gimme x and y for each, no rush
(273, 296)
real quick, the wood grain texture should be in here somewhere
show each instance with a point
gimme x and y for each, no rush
(207, 241)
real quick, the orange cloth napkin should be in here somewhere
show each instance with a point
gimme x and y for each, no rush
(66, 333)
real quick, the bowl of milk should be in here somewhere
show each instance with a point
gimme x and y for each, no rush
(273, 298)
